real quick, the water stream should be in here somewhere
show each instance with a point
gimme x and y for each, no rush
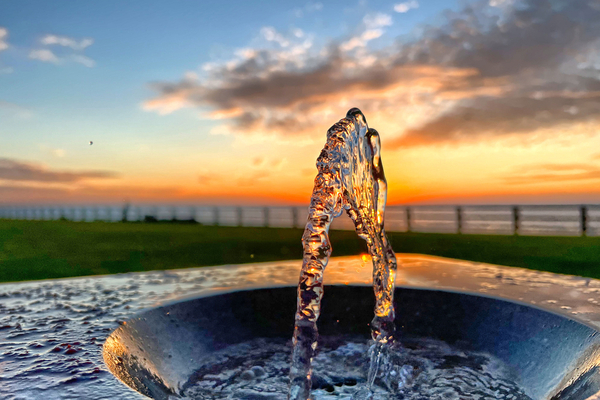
(350, 178)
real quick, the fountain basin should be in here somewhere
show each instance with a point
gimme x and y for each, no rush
(551, 348)
(53, 332)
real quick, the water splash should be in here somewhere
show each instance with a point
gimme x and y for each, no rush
(351, 178)
(424, 369)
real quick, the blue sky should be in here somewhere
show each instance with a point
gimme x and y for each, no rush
(135, 43)
(148, 82)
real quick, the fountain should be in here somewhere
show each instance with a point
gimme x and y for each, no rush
(350, 178)
(162, 333)
(464, 330)
(234, 344)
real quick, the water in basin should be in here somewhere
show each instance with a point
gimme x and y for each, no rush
(422, 368)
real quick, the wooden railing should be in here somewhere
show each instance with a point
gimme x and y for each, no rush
(467, 219)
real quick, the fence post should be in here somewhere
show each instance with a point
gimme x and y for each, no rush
(584, 217)
(458, 220)
(408, 227)
(516, 220)
(266, 212)
(125, 212)
(295, 222)
(216, 216)
(240, 216)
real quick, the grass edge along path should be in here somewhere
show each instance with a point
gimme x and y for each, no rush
(32, 250)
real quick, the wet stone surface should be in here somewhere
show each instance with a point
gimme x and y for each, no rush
(52, 332)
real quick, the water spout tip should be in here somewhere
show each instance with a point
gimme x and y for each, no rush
(356, 114)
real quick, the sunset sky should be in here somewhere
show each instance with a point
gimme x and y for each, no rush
(493, 101)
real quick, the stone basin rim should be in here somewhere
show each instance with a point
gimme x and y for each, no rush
(203, 293)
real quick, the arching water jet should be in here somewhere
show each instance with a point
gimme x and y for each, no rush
(350, 178)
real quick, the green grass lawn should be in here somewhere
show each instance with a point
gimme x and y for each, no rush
(56, 249)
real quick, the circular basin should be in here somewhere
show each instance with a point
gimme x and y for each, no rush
(550, 356)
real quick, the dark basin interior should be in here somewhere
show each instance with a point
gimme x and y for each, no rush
(553, 356)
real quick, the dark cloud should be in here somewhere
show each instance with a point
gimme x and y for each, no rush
(542, 48)
(482, 71)
(504, 115)
(531, 34)
(13, 170)
(262, 81)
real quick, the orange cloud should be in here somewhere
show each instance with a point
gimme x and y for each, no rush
(469, 77)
